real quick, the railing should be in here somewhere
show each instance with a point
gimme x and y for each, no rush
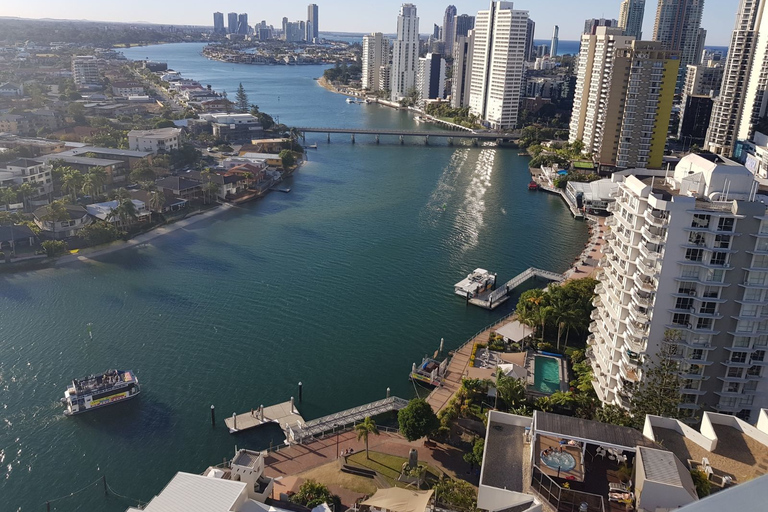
(564, 500)
(350, 416)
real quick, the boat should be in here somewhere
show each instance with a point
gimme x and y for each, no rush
(97, 391)
(533, 185)
(350, 100)
(430, 372)
(312, 146)
(476, 283)
(422, 119)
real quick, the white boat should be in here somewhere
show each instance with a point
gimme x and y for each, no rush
(476, 283)
(96, 391)
(350, 100)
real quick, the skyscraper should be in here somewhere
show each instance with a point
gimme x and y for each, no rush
(431, 78)
(591, 25)
(631, 15)
(242, 24)
(405, 53)
(313, 29)
(740, 77)
(232, 22)
(449, 28)
(463, 24)
(530, 48)
(218, 23)
(555, 42)
(677, 28)
(375, 55)
(498, 64)
(462, 69)
(605, 113)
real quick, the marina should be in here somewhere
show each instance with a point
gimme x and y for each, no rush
(478, 289)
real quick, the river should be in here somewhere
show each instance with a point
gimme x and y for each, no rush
(340, 284)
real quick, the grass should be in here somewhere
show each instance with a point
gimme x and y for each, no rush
(388, 466)
(330, 474)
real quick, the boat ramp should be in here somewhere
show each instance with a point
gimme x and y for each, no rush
(491, 299)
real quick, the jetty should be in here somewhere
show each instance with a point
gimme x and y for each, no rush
(307, 431)
(491, 299)
(283, 414)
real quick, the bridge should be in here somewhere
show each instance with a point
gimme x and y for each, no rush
(476, 137)
(492, 299)
(298, 433)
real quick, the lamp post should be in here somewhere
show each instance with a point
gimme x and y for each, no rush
(337, 440)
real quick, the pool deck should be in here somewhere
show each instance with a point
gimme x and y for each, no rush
(530, 365)
(543, 442)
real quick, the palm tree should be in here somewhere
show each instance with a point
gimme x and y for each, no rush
(120, 193)
(72, 181)
(98, 176)
(248, 177)
(7, 196)
(55, 212)
(365, 427)
(212, 189)
(125, 212)
(26, 190)
(156, 200)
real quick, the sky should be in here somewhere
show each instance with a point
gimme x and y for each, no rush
(361, 16)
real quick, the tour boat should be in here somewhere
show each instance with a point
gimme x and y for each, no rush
(479, 281)
(533, 185)
(96, 391)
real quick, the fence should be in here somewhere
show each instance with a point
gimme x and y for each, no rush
(565, 500)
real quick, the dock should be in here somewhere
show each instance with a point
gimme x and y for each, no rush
(494, 298)
(284, 414)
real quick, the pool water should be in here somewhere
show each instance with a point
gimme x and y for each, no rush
(546, 375)
(562, 460)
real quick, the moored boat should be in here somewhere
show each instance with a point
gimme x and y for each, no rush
(479, 281)
(533, 185)
(96, 391)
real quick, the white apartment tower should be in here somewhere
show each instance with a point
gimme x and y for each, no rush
(85, 71)
(449, 29)
(554, 42)
(405, 53)
(677, 27)
(687, 253)
(631, 15)
(431, 79)
(744, 61)
(375, 55)
(498, 64)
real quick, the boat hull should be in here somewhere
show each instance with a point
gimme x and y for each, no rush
(104, 402)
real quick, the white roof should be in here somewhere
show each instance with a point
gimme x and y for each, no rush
(663, 467)
(513, 370)
(514, 331)
(195, 493)
(102, 210)
(748, 496)
(157, 133)
(598, 190)
(706, 177)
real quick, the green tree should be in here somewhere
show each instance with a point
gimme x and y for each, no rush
(363, 429)
(99, 233)
(417, 419)
(241, 99)
(614, 414)
(143, 172)
(7, 196)
(475, 457)
(456, 494)
(510, 390)
(311, 494)
(702, 483)
(26, 190)
(658, 393)
(54, 248)
(72, 182)
(125, 212)
(288, 159)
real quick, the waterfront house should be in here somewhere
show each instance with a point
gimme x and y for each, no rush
(264, 146)
(229, 184)
(77, 219)
(159, 140)
(184, 188)
(16, 236)
(234, 127)
(126, 89)
(271, 159)
(171, 204)
(103, 211)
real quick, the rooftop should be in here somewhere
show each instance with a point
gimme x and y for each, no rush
(160, 133)
(663, 467)
(74, 211)
(590, 431)
(504, 454)
(195, 493)
(178, 183)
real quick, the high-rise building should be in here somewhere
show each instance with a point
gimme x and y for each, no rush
(313, 28)
(85, 71)
(462, 69)
(463, 24)
(375, 55)
(385, 73)
(631, 15)
(218, 23)
(617, 79)
(555, 41)
(449, 29)
(232, 22)
(530, 33)
(703, 80)
(695, 112)
(498, 64)
(430, 81)
(591, 25)
(405, 53)
(684, 270)
(677, 28)
(242, 24)
(744, 65)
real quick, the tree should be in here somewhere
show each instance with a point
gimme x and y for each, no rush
(54, 248)
(288, 159)
(614, 414)
(125, 212)
(99, 233)
(142, 172)
(7, 196)
(512, 391)
(55, 212)
(311, 494)
(702, 483)
(417, 419)
(241, 99)
(456, 494)
(475, 457)
(72, 182)
(658, 393)
(156, 200)
(26, 190)
(365, 427)
(227, 103)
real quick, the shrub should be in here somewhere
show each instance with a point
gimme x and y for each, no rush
(54, 248)
(702, 483)
(99, 233)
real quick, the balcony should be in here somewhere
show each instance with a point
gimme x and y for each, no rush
(660, 221)
(627, 373)
(640, 299)
(611, 221)
(645, 283)
(651, 236)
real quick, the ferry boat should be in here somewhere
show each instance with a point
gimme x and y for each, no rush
(479, 281)
(96, 391)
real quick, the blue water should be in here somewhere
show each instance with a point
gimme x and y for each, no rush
(340, 284)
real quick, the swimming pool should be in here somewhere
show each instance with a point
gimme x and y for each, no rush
(546, 375)
(559, 460)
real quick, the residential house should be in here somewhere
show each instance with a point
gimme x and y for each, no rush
(271, 159)
(234, 127)
(129, 157)
(171, 204)
(265, 145)
(77, 219)
(183, 188)
(16, 236)
(11, 90)
(229, 185)
(159, 140)
(14, 123)
(103, 211)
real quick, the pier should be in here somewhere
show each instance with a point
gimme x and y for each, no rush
(493, 298)
(283, 414)
(307, 431)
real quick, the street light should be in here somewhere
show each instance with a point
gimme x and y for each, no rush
(337, 440)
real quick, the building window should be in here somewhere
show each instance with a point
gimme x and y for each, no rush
(696, 238)
(684, 303)
(708, 308)
(735, 373)
(758, 356)
(754, 371)
(693, 254)
(725, 224)
(704, 323)
(700, 221)
(681, 319)
(739, 357)
(731, 387)
(719, 258)
(753, 294)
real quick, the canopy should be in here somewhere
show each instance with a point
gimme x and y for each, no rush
(513, 331)
(513, 370)
(396, 499)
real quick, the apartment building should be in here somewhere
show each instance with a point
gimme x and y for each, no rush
(703, 79)
(631, 14)
(405, 53)
(154, 141)
(687, 253)
(498, 65)
(462, 67)
(431, 79)
(677, 27)
(85, 71)
(375, 55)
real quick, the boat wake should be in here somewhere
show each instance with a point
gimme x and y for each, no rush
(446, 186)
(471, 214)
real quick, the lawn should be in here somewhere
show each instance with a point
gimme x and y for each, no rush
(330, 474)
(388, 466)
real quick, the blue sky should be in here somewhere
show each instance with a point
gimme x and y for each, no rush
(360, 16)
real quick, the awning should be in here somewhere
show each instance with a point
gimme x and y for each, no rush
(514, 371)
(396, 499)
(514, 331)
